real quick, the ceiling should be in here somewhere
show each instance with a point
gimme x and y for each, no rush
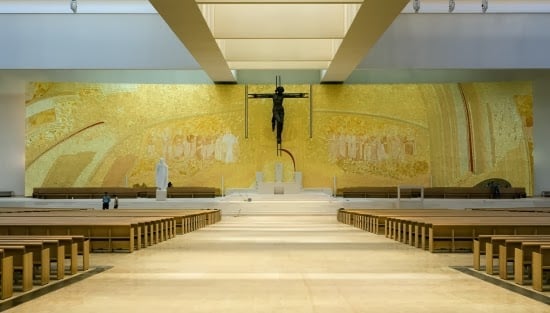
(331, 36)
(226, 36)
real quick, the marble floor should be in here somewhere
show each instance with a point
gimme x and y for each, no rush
(281, 263)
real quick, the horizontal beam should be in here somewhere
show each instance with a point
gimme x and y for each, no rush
(370, 23)
(187, 22)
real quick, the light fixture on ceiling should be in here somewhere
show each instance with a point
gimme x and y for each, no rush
(74, 6)
(416, 5)
(484, 5)
(451, 6)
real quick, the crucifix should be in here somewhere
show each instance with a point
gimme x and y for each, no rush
(278, 118)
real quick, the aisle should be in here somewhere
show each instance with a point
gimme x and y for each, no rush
(281, 264)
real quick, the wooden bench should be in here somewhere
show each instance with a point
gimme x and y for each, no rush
(108, 234)
(85, 192)
(493, 247)
(523, 259)
(368, 192)
(429, 192)
(27, 253)
(22, 262)
(6, 275)
(112, 230)
(122, 192)
(139, 223)
(40, 256)
(444, 229)
(506, 253)
(540, 265)
(376, 220)
(473, 192)
(62, 247)
(185, 220)
(193, 192)
(459, 234)
(455, 232)
(6, 193)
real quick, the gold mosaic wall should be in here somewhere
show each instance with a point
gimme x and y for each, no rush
(370, 135)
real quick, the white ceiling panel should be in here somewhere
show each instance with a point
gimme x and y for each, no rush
(281, 65)
(279, 50)
(277, 20)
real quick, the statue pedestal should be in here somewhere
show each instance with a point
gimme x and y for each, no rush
(161, 195)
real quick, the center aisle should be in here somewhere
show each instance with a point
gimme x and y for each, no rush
(281, 264)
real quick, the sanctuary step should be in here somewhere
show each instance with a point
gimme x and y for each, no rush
(247, 202)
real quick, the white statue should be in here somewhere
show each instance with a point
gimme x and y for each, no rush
(162, 175)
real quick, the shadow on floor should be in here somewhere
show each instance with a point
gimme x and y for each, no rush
(36, 292)
(511, 286)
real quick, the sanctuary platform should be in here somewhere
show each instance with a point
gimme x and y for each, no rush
(307, 202)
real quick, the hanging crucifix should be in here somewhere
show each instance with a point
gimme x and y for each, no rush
(278, 118)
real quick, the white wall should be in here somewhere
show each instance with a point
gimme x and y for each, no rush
(144, 41)
(90, 41)
(12, 138)
(463, 41)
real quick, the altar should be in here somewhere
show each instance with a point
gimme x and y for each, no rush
(279, 187)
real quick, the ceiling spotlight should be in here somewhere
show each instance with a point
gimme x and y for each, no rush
(74, 6)
(451, 6)
(416, 5)
(484, 5)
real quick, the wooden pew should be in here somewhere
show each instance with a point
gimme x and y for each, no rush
(169, 228)
(368, 192)
(458, 234)
(193, 192)
(113, 230)
(455, 233)
(107, 234)
(444, 229)
(5, 193)
(85, 192)
(506, 252)
(376, 220)
(99, 217)
(429, 192)
(6, 275)
(40, 255)
(523, 259)
(123, 192)
(491, 246)
(540, 265)
(22, 261)
(62, 247)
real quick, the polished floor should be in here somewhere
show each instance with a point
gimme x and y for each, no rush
(281, 263)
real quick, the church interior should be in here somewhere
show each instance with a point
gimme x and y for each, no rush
(410, 175)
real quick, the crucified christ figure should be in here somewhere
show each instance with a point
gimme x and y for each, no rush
(278, 118)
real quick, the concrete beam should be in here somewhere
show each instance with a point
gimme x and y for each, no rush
(187, 22)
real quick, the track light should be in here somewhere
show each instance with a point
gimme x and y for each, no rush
(484, 5)
(451, 6)
(74, 6)
(416, 5)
